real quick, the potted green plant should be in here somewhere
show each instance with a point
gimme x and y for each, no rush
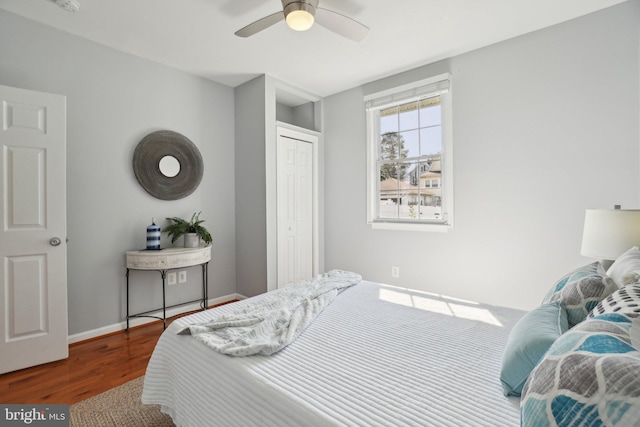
(192, 230)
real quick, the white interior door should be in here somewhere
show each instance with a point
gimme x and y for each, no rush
(295, 209)
(33, 264)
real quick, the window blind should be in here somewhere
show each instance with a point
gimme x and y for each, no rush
(410, 106)
(414, 94)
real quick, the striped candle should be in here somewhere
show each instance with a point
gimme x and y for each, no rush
(153, 236)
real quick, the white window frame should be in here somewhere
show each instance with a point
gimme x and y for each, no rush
(437, 85)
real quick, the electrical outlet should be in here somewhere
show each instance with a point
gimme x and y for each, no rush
(171, 279)
(182, 276)
(395, 271)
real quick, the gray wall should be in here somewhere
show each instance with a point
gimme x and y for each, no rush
(113, 100)
(251, 209)
(256, 111)
(545, 126)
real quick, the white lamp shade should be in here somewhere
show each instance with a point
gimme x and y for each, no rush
(608, 233)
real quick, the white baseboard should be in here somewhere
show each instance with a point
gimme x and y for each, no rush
(137, 321)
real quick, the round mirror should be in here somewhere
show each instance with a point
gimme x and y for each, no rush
(169, 166)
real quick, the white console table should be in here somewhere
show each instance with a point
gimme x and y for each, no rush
(162, 261)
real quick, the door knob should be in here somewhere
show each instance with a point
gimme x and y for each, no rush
(55, 241)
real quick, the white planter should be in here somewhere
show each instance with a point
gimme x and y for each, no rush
(191, 240)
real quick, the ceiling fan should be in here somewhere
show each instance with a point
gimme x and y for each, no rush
(300, 16)
(68, 5)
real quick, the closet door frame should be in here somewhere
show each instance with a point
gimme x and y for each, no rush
(313, 138)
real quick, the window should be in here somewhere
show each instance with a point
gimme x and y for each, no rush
(433, 183)
(409, 151)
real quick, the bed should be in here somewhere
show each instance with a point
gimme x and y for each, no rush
(377, 355)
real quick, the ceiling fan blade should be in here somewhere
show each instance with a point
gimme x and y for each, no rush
(341, 24)
(260, 24)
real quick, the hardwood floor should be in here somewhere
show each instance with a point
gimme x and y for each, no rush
(93, 366)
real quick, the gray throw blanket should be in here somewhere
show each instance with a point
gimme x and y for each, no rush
(270, 323)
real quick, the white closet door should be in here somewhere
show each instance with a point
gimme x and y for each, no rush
(295, 209)
(33, 254)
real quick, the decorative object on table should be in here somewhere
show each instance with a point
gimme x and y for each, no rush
(167, 165)
(153, 236)
(181, 227)
(191, 240)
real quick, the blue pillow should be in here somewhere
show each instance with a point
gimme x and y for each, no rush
(528, 342)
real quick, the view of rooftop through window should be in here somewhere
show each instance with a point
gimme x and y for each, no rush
(409, 160)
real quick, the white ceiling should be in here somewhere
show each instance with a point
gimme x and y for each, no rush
(197, 35)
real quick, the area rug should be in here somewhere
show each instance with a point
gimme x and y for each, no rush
(121, 407)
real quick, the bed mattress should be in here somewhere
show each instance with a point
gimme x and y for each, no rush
(376, 356)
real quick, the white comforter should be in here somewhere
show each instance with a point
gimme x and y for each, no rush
(376, 356)
(266, 326)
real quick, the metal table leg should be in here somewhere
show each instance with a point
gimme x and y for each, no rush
(127, 300)
(205, 285)
(163, 273)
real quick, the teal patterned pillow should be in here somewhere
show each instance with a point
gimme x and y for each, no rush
(576, 274)
(581, 290)
(589, 377)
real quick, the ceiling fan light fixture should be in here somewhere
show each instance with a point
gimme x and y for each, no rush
(68, 5)
(300, 15)
(300, 20)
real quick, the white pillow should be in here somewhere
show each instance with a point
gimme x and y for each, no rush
(626, 268)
